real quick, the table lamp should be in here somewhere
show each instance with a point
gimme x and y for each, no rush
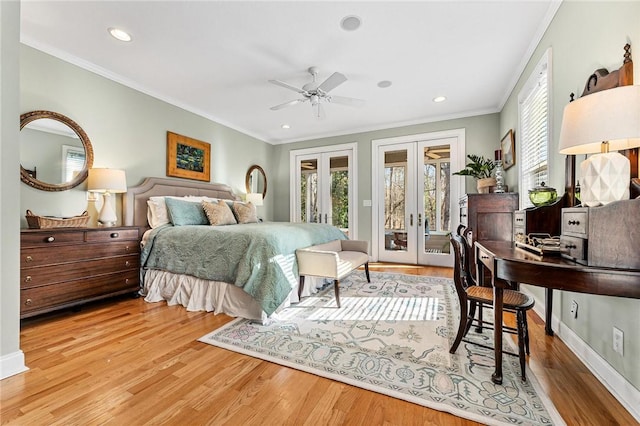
(604, 121)
(107, 182)
(255, 198)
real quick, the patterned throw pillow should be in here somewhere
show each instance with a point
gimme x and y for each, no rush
(245, 212)
(185, 212)
(218, 213)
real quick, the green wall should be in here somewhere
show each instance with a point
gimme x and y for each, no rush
(585, 36)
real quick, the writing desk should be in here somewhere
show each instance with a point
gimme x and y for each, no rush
(509, 264)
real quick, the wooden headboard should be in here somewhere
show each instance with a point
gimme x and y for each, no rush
(134, 202)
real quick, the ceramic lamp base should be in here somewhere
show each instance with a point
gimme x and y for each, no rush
(605, 178)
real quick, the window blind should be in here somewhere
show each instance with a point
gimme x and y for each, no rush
(534, 132)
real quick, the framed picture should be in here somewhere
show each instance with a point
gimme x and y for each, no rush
(507, 145)
(188, 158)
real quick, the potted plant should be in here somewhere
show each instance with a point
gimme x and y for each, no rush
(480, 168)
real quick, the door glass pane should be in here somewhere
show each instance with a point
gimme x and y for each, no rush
(309, 190)
(437, 199)
(339, 172)
(395, 164)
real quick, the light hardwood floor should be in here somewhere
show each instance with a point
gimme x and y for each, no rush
(128, 362)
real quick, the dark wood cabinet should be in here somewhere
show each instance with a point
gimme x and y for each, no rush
(538, 220)
(64, 267)
(490, 217)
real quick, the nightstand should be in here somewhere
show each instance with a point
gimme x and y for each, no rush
(64, 267)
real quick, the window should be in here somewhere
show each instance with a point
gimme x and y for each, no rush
(535, 130)
(73, 159)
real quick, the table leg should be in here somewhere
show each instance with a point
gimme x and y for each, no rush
(548, 311)
(496, 377)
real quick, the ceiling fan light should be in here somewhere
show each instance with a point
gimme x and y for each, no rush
(350, 23)
(384, 84)
(285, 126)
(439, 99)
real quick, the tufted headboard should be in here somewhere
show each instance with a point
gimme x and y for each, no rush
(134, 202)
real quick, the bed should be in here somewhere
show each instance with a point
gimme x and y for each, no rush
(243, 270)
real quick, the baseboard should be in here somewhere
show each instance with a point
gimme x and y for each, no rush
(12, 364)
(615, 383)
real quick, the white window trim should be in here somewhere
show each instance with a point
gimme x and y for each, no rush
(545, 61)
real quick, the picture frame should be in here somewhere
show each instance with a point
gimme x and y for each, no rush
(507, 145)
(188, 158)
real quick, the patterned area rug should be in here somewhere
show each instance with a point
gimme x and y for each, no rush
(392, 336)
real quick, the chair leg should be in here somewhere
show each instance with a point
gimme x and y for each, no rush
(472, 313)
(300, 287)
(526, 332)
(336, 288)
(479, 326)
(366, 271)
(520, 320)
(462, 328)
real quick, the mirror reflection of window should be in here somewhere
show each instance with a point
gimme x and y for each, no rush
(73, 161)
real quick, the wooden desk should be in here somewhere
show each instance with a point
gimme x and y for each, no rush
(508, 264)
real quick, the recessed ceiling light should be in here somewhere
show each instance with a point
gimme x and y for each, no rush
(350, 23)
(285, 126)
(384, 84)
(119, 34)
(439, 99)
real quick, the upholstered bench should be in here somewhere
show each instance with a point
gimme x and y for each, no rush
(335, 260)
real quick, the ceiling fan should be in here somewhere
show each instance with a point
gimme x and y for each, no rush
(317, 94)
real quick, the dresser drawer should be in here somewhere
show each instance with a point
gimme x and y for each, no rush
(44, 275)
(486, 259)
(39, 300)
(575, 222)
(108, 235)
(51, 238)
(464, 216)
(39, 256)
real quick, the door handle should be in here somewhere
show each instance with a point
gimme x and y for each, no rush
(419, 220)
(411, 219)
(325, 218)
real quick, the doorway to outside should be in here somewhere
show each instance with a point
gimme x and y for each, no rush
(415, 197)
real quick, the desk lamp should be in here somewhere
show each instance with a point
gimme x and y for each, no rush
(107, 182)
(604, 121)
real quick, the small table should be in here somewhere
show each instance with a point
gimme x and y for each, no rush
(507, 263)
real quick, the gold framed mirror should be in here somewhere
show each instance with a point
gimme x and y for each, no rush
(256, 181)
(55, 152)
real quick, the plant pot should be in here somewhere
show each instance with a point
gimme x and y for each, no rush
(484, 184)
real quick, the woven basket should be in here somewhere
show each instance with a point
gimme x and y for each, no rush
(40, 222)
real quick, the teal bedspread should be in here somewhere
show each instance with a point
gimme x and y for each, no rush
(258, 257)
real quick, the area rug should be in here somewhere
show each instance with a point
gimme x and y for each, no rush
(392, 336)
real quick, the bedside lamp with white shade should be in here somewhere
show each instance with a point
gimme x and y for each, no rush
(601, 122)
(107, 182)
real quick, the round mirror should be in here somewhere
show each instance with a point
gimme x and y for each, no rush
(55, 153)
(256, 181)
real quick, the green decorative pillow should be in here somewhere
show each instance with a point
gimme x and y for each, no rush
(185, 212)
(218, 213)
(245, 212)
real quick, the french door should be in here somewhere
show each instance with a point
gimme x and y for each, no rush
(323, 187)
(415, 198)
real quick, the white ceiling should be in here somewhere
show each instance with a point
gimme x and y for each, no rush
(215, 58)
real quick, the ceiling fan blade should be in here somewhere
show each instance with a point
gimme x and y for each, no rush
(346, 101)
(334, 80)
(288, 86)
(290, 103)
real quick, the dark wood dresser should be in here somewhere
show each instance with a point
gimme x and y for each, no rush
(490, 217)
(64, 267)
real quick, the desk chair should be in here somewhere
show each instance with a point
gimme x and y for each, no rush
(472, 296)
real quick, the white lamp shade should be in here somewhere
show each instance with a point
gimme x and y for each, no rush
(107, 180)
(611, 115)
(254, 198)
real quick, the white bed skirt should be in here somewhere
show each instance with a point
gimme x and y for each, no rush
(196, 294)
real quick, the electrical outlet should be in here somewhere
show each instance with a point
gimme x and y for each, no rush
(574, 309)
(618, 341)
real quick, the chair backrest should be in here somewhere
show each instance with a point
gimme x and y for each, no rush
(461, 276)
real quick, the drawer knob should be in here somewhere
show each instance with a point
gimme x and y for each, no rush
(484, 257)
(50, 239)
(29, 259)
(127, 248)
(574, 222)
(126, 280)
(28, 302)
(114, 235)
(127, 263)
(27, 279)
(463, 215)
